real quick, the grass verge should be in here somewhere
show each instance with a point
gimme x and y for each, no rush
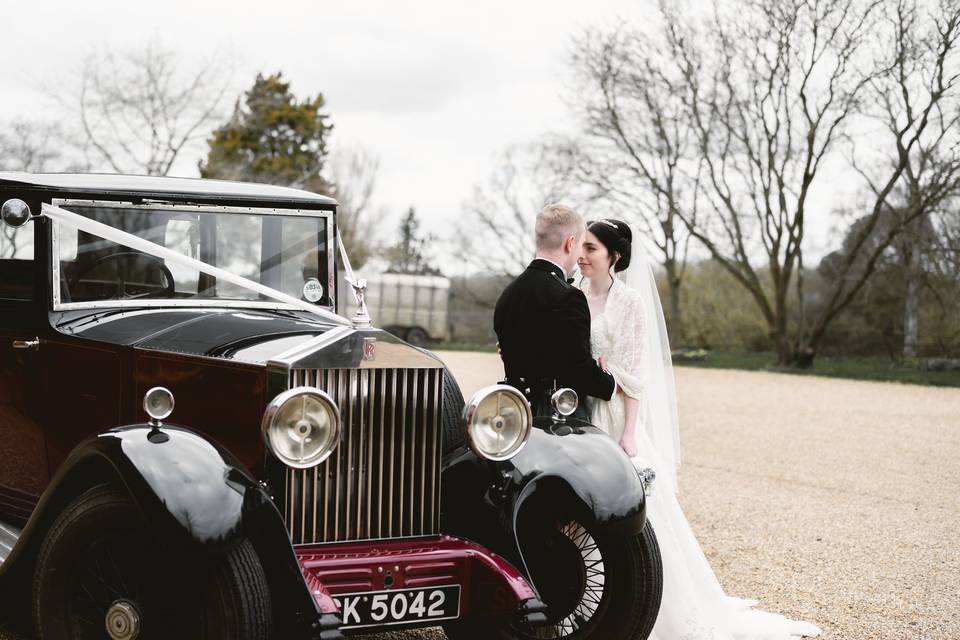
(878, 369)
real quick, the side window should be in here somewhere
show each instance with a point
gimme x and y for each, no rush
(16, 262)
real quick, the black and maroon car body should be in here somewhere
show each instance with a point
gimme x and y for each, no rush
(403, 525)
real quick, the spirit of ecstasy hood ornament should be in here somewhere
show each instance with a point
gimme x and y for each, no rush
(361, 319)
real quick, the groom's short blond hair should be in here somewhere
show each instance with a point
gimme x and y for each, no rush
(556, 223)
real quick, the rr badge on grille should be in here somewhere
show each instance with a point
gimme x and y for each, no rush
(369, 348)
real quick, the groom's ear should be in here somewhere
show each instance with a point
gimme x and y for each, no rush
(570, 244)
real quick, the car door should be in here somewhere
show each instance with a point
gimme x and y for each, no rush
(23, 461)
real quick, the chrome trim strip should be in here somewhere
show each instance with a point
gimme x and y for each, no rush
(9, 530)
(361, 469)
(436, 407)
(413, 449)
(403, 446)
(193, 208)
(286, 359)
(336, 499)
(393, 450)
(326, 478)
(303, 504)
(175, 304)
(383, 428)
(291, 493)
(371, 398)
(353, 386)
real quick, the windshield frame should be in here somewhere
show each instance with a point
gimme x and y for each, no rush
(66, 203)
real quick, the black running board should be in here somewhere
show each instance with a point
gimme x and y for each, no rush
(9, 535)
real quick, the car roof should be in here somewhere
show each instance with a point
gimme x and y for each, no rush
(162, 187)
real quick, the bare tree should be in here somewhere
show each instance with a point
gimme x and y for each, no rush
(947, 239)
(770, 89)
(916, 102)
(353, 175)
(910, 258)
(495, 235)
(637, 149)
(138, 110)
(26, 146)
(30, 146)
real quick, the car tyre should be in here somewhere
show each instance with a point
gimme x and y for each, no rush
(99, 560)
(454, 435)
(626, 611)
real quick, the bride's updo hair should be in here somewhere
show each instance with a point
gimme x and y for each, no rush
(616, 236)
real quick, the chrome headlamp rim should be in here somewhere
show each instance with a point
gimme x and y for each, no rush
(470, 411)
(278, 402)
(556, 398)
(148, 406)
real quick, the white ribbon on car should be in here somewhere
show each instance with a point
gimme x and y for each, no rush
(76, 221)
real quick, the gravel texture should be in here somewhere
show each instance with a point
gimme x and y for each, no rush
(834, 501)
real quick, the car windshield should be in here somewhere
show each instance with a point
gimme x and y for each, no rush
(288, 253)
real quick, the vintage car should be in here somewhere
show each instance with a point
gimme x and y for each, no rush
(193, 444)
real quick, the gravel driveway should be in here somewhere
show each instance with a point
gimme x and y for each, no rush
(834, 501)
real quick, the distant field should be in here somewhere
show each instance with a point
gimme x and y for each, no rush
(878, 369)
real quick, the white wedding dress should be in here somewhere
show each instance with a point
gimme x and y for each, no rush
(694, 606)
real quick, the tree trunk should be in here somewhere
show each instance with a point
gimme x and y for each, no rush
(781, 343)
(674, 319)
(778, 329)
(911, 306)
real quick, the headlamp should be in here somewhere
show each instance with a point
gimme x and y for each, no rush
(498, 420)
(302, 427)
(565, 402)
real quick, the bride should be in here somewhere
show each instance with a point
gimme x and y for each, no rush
(628, 335)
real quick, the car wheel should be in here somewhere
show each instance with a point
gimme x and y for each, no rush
(596, 588)
(100, 575)
(417, 337)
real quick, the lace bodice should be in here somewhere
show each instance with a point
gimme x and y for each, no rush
(619, 335)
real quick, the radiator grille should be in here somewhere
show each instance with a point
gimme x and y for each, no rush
(383, 480)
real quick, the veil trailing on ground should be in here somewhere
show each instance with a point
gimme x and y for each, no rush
(660, 402)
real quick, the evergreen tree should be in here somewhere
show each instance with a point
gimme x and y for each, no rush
(272, 138)
(410, 254)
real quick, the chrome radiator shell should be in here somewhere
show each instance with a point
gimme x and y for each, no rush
(383, 480)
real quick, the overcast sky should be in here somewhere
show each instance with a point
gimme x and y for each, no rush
(435, 88)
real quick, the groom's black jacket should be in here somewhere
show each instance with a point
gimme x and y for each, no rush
(543, 325)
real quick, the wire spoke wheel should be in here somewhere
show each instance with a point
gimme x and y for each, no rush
(591, 586)
(596, 587)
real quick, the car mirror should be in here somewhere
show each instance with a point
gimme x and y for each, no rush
(15, 212)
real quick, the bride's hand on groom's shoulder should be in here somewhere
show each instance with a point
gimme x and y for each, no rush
(629, 446)
(603, 365)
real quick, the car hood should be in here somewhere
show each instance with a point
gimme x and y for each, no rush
(246, 335)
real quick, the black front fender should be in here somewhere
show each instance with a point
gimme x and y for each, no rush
(582, 474)
(585, 462)
(196, 498)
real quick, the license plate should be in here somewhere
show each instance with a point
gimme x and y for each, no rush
(400, 606)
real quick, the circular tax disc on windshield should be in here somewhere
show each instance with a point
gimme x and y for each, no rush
(312, 290)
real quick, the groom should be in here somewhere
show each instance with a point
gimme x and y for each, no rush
(543, 322)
